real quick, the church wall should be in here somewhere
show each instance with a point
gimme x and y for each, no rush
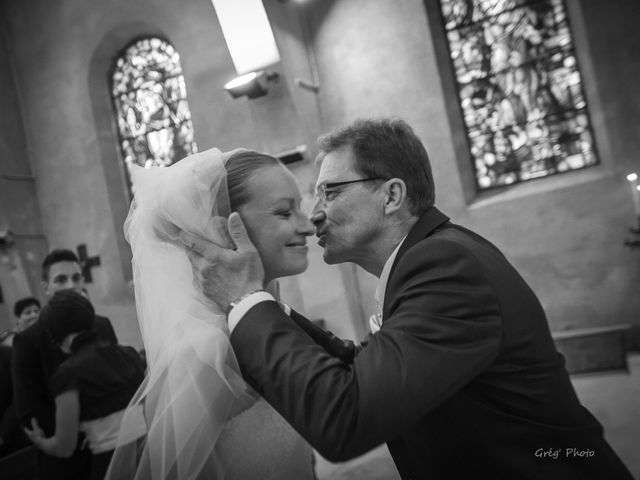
(54, 49)
(565, 234)
(369, 58)
(22, 243)
(62, 59)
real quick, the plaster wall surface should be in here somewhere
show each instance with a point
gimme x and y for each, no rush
(62, 58)
(369, 58)
(20, 223)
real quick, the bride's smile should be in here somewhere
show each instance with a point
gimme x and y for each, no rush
(275, 222)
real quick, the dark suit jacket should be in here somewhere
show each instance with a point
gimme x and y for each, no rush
(11, 432)
(462, 381)
(35, 358)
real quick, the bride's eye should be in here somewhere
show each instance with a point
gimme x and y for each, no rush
(284, 213)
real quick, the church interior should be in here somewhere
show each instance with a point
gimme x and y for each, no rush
(530, 112)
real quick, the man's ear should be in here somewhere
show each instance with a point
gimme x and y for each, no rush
(45, 287)
(395, 195)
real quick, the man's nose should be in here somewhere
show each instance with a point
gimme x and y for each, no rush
(317, 215)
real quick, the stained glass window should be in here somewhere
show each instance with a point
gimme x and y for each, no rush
(150, 98)
(519, 88)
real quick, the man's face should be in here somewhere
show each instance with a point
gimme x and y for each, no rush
(64, 276)
(348, 221)
(27, 317)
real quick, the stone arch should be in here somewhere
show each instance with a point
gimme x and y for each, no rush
(100, 67)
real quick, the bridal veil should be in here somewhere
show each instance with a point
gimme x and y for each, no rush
(193, 386)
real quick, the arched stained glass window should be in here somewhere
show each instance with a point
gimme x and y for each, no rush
(150, 98)
(519, 88)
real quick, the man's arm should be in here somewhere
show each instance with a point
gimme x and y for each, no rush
(345, 350)
(443, 330)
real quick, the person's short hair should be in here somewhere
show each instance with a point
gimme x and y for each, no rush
(23, 303)
(67, 312)
(387, 148)
(56, 256)
(240, 167)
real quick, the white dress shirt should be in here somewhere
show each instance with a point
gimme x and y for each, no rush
(375, 321)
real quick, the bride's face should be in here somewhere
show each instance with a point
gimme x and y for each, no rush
(275, 223)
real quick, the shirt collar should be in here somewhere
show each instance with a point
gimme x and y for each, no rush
(384, 276)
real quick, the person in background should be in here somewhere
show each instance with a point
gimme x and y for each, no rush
(91, 387)
(26, 311)
(12, 438)
(36, 356)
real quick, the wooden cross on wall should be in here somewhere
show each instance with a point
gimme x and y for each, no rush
(87, 263)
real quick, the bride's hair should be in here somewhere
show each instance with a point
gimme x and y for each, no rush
(241, 166)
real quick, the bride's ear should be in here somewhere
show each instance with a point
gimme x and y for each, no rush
(220, 233)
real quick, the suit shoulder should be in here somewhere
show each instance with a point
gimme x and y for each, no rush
(31, 334)
(451, 241)
(440, 246)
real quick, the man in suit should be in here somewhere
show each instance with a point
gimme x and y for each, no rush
(36, 357)
(460, 378)
(12, 437)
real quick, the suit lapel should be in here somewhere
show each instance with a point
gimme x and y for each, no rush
(426, 224)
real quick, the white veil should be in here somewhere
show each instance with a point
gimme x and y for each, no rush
(193, 385)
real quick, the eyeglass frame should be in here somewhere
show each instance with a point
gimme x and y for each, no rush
(321, 192)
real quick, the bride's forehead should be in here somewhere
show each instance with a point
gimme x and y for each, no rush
(274, 182)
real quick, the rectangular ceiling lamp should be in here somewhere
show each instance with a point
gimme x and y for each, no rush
(248, 34)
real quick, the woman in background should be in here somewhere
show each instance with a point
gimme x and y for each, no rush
(91, 388)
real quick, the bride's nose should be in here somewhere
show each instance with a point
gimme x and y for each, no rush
(305, 227)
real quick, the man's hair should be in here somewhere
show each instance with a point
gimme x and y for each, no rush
(241, 166)
(387, 148)
(23, 303)
(56, 256)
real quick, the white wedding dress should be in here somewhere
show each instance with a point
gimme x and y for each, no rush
(193, 417)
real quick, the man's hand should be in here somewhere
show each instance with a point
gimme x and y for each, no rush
(223, 274)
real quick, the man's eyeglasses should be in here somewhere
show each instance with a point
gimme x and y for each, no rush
(323, 194)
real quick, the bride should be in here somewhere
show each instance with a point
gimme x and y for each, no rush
(194, 417)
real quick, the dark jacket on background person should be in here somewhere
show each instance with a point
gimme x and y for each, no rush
(11, 433)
